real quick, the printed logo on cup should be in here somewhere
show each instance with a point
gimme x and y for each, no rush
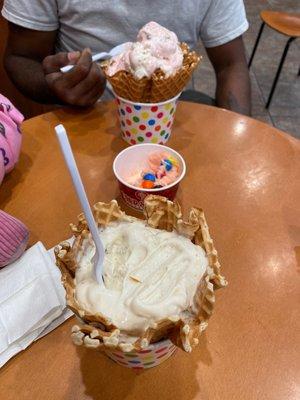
(135, 198)
(137, 202)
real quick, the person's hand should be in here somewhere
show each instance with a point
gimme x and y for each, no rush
(82, 85)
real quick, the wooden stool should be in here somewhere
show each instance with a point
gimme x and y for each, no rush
(286, 24)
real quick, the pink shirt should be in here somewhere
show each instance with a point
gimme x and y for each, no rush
(10, 136)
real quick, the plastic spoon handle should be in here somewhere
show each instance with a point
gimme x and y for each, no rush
(101, 56)
(96, 57)
(78, 185)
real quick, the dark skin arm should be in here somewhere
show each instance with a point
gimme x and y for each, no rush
(35, 70)
(233, 83)
(37, 75)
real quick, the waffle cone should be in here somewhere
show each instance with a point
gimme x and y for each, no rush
(158, 88)
(98, 331)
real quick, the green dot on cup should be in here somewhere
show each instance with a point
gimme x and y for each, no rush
(162, 133)
(140, 139)
(136, 119)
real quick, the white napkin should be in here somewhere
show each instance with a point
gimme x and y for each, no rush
(32, 301)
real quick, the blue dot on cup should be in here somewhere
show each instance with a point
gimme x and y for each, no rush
(137, 107)
(167, 135)
(151, 121)
(122, 111)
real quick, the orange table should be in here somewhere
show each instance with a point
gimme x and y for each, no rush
(246, 176)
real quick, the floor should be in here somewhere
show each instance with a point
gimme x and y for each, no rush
(284, 112)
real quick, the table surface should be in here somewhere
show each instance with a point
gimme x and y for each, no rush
(245, 175)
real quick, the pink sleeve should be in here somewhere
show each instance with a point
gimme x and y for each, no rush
(2, 170)
(10, 135)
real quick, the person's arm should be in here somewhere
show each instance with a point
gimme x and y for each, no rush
(233, 83)
(31, 65)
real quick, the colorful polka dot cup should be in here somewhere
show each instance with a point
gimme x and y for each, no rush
(146, 122)
(154, 355)
(136, 157)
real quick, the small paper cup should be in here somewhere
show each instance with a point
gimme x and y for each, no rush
(146, 122)
(129, 161)
(154, 355)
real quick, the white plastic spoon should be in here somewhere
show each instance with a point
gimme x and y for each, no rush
(79, 188)
(101, 56)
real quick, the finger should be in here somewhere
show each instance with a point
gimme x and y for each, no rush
(91, 97)
(94, 79)
(55, 62)
(85, 58)
(84, 93)
(86, 96)
(92, 84)
(74, 56)
(80, 71)
(52, 64)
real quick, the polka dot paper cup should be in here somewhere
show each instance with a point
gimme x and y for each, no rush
(154, 355)
(136, 157)
(146, 122)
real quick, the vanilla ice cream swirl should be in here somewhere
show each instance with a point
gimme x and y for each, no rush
(149, 275)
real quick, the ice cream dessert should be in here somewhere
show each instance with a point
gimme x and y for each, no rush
(149, 275)
(159, 277)
(154, 68)
(156, 48)
(162, 169)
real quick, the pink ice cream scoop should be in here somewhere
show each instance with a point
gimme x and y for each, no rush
(156, 48)
(162, 170)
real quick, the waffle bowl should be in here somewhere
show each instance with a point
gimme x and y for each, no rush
(96, 330)
(158, 88)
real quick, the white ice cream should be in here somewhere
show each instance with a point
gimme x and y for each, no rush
(149, 275)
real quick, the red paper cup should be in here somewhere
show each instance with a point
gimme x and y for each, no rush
(146, 122)
(127, 162)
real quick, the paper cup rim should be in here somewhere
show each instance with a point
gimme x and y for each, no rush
(160, 146)
(147, 104)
